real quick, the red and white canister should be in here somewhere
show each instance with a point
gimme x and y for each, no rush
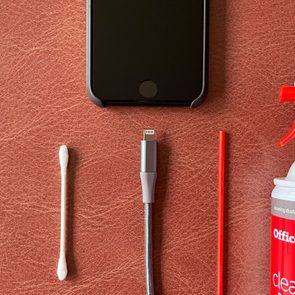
(283, 235)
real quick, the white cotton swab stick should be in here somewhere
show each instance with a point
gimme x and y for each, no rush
(62, 269)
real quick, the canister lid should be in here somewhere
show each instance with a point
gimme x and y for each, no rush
(289, 180)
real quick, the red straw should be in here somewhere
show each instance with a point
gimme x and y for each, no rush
(221, 212)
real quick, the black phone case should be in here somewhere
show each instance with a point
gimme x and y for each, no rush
(102, 103)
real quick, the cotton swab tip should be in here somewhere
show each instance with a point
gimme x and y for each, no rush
(63, 156)
(62, 269)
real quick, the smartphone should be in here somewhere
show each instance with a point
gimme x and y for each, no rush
(147, 52)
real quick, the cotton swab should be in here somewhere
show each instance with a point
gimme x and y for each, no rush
(62, 269)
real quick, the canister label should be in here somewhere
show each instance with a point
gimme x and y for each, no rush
(283, 248)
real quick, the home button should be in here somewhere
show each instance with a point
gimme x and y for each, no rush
(148, 89)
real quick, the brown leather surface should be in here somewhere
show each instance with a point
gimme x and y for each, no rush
(43, 104)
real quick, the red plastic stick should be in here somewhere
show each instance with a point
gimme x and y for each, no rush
(221, 212)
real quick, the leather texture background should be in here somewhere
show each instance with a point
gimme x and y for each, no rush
(43, 104)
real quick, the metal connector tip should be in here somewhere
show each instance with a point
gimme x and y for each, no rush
(149, 134)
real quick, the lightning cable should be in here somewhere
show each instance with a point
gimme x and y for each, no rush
(148, 175)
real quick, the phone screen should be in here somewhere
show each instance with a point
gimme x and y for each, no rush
(147, 50)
